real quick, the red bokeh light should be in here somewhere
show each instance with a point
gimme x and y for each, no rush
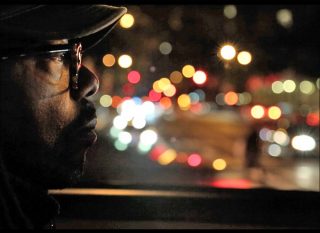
(312, 119)
(194, 160)
(134, 77)
(154, 96)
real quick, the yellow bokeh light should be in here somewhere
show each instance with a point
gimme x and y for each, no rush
(188, 71)
(307, 87)
(125, 61)
(274, 112)
(244, 58)
(284, 18)
(108, 60)
(230, 11)
(127, 21)
(167, 157)
(277, 87)
(257, 111)
(170, 90)
(184, 101)
(156, 87)
(289, 86)
(106, 100)
(228, 52)
(164, 83)
(176, 77)
(219, 164)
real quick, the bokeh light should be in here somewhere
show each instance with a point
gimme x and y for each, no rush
(277, 87)
(184, 101)
(230, 11)
(231, 98)
(125, 61)
(257, 111)
(228, 52)
(199, 77)
(219, 164)
(274, 150)
(176, 77)
(307, 87)
(244, 58)
(165, 48)
(188, 71)
(167, 157)
(274, 112)
(194, 160)
(284, 18)
(289, 86)
(127, 21)
(303, 142)
(105, 101)
(108, 60)
(134, 77)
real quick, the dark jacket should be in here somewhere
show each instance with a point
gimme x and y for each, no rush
(24, 206)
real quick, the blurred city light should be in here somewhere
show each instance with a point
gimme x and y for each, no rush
(284, 18)
(228, 52)
(244, 58)
(313, 119)
(149, 137)
(231, 98)
(274, 150)
(184, 101)
(257, 111)
(170, 90)
(165, 48)
(108, 60)
(199, 77)
(176, 77)
(127, 21)
(125, 61)
(303, 142)
(219, 164)
(230, 11)
(134, 77)
(125, 137)
(307, 87)
(188, 71)
(197, 101)
(106, 100)
(277, 87)
(194, 160)
(289, 86)
(167, 157)
(281, 137)
(274, 112)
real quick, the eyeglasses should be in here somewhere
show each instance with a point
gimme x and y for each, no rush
(71, 51)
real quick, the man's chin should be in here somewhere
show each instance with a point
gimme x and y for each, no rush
(70, 171)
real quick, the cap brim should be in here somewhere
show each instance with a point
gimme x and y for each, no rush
(87, 23)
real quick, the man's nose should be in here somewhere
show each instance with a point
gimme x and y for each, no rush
(88, 84)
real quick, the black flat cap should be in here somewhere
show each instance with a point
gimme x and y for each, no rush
(87, 23)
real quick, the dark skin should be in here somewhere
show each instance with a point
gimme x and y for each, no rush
(46, 126)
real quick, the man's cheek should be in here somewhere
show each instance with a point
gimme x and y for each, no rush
(53, 117)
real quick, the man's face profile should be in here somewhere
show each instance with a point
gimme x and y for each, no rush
(47, 127)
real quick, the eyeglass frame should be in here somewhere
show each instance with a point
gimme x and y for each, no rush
(74, 50)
